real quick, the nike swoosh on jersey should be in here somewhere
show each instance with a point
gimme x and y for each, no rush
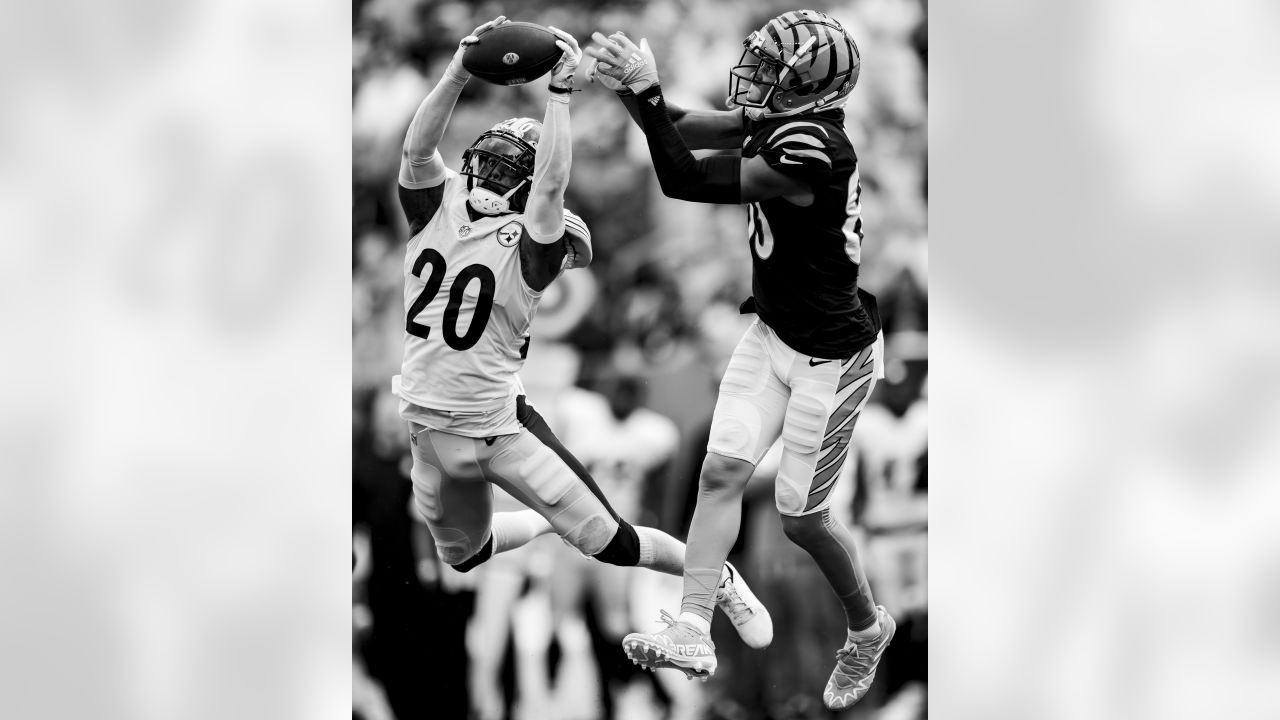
(802, 152)
(820, 362)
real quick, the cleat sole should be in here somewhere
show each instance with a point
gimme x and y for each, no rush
(654, 659)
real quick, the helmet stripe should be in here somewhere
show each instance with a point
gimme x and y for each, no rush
(795, 42)
(826, 60)
(775, 31)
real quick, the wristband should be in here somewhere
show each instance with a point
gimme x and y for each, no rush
(455, 76)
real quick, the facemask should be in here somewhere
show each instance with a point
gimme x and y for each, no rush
(488, 202)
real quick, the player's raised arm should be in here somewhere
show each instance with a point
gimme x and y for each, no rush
(556, 238)
(421, 166)
(701, 129)
(717, 179)
(545, 209)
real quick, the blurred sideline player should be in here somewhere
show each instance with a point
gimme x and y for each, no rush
(619, 442)
(807, 365)
(622, 443)
(485, 243)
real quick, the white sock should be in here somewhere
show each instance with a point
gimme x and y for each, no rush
(515, 529)
(866, 633)
(659, 551)
(697, 621)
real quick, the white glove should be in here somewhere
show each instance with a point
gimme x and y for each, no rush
(562, 73)
(455, 68)
(596, 73)
(630, 64)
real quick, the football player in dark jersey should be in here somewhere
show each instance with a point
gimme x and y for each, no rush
(806, 366)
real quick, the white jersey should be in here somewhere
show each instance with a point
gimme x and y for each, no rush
(617, 453)
(468, 310)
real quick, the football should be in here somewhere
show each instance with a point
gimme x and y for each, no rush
(512, 53)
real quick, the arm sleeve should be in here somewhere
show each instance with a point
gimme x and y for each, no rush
(418, 173)
(632, 105)
(715, 179)
(422, 171)
(550, 174)
(420, 163)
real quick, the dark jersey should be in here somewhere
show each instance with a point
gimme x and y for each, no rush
(805, 279)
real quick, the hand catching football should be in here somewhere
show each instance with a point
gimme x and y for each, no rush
(627, 63)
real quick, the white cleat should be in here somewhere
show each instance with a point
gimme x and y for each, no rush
(680, 646)
(745, 610)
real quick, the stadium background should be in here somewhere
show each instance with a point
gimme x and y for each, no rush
(653, 320)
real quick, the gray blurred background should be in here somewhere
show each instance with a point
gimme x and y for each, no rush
(176, 298)
(625, 361)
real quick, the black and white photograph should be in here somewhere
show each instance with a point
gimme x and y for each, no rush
(575, 360)
(640, 360)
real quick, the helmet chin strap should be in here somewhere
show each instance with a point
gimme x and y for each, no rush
(488, 202)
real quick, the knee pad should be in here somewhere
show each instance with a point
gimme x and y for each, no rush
(465, 564)
(721, 472)
(591, 536)
(623, 549)
(804, 529)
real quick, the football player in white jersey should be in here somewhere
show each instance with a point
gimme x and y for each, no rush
(486, 242)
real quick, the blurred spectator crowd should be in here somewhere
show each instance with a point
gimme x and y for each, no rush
(624, 364)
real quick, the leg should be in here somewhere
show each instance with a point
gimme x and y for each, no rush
(449, 476)
(457, 507)
(832, 547)
(712, 532)
(748, 417)
(535, 467)
(825, 403)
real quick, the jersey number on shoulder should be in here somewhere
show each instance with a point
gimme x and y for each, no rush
(484, 303)
(759, 232)
(853, 220)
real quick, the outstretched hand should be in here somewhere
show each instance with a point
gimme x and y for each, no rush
(562, 73)
(598, 72)
(472, 39)
(622, 60)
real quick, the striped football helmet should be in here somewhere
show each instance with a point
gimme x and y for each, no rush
(499, 166)
(799, 61)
